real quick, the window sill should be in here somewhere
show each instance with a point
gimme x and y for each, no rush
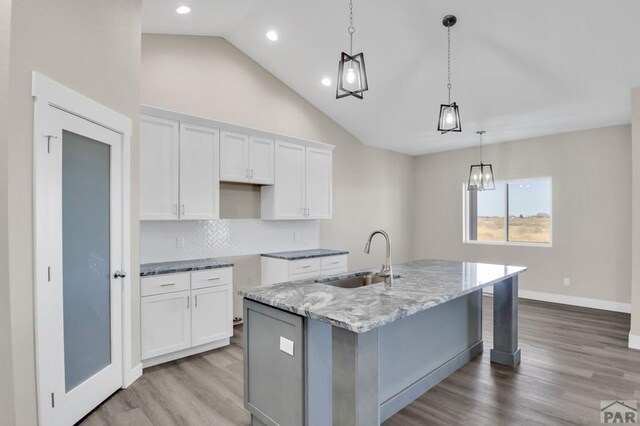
(508, 243)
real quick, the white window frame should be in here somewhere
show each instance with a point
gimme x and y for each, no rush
(465, 216)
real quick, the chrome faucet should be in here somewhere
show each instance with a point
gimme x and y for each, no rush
(386, 271)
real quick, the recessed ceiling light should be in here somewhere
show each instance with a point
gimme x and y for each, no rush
(272, 35)
(326, 81)
(183, 10)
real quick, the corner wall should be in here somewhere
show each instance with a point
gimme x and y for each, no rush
(209, 77)
(634, 335)
(591, 208)
(92, 47)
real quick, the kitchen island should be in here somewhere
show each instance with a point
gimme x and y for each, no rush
(317, 354)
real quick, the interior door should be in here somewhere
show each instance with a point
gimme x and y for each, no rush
(289, 181)
(211, 318)
(159, 144)
(199, 173)
(318, 183)
(79, 318)
(261, 160)
(234, 149)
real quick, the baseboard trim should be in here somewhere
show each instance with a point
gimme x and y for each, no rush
(185, 352)
(134, 374)
(584, 302)
(634, 341)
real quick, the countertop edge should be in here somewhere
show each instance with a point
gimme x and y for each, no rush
(185, 269)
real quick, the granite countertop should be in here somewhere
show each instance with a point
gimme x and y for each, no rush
(422, 284)
(160, 268)
(305, 254)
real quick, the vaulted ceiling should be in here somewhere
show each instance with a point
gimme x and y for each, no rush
(521, 69)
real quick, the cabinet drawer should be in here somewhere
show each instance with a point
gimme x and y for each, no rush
(160, 284)
(211, 278)
(304, 276)
(303, 266)
(333, 262)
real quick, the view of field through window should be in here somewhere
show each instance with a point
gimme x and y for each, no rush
(526, 211)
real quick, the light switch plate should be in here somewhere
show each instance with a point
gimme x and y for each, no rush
(286, 345)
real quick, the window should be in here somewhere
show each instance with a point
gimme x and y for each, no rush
(516, 212)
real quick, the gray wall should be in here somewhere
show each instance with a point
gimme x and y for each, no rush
(591, 172)
(208, 77)
(6, 373)
(92, 47)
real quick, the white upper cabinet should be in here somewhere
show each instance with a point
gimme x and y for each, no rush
(246, 159)
(199, 174)
(159, 151)
(179, 174)
(261, 160)
(303, 184)
(318, 183)
(234, 154)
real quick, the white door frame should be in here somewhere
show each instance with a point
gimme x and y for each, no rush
(49, 93)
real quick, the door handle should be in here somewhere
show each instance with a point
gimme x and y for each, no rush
(119, 274)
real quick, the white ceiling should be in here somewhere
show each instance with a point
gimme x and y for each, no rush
(520, 68)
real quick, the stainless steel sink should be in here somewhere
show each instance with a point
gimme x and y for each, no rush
(354, 281)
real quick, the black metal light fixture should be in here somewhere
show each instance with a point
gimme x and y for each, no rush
(352, 75)
(481, 175)
(449, 120)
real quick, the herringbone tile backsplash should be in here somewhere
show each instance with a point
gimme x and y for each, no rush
(224, 237)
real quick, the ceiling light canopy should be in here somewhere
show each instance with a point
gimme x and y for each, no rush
(272, 35)
(449, 120)
(183, 10)
(481, 175)
(352, 74)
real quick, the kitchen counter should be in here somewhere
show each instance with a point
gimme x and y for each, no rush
(356, 356)
(423, 284)
(304, 254)
(160, 268)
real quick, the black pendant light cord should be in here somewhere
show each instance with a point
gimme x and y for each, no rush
(449, 61)
(351, 28)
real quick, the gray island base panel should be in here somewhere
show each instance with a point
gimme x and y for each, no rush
(308, 364)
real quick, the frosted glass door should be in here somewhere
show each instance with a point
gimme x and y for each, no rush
(86, 257)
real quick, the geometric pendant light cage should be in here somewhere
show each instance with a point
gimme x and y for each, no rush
(481, 175)
(449, 120)
(352, 73)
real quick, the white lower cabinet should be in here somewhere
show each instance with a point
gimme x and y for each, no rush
(183, 314)
(211, 311)
(276, 270)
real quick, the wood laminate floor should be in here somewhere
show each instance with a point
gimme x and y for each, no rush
(571, 359)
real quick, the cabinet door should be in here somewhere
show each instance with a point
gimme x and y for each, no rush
(166, 323)
(261, 160)
(212, 317)
(234, 157)
(159, 145)
(199, 173)
(289, 181)
(318, 183)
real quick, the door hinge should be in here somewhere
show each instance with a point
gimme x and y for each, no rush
(49, 137)
(53, 400)
(49, 273)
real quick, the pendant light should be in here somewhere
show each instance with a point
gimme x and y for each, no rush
(481, 175)
(449, 120)
(352, 75)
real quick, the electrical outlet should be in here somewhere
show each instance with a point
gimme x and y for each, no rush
(566, 281)
(286, 345)
(296, 235)
(180, 242)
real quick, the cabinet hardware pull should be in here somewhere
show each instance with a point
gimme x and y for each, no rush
(335, 263)
(307, 266)
(175, 209)
(183, 209)
(251, 173)
(196, 300)
(188, 301)
(213, 279)
(167, 285)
